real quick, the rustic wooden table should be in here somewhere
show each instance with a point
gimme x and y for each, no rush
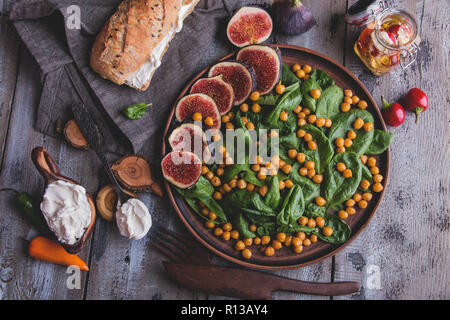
(403, 253)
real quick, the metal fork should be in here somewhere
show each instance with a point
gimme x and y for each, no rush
(178, 248)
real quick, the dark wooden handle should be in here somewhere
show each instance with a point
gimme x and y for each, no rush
(317, 288)
(45, 164)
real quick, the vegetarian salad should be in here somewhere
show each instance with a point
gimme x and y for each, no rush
(323, 170)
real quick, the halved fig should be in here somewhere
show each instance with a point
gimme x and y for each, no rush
(221, 92)
(249, 25)
(240, 76)
(201, 103)
(181, 168)
(266, 61)
(190, 137)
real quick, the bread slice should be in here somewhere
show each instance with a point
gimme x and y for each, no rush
(132, 43)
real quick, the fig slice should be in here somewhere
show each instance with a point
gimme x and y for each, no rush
(190, 137)
(266, 61)
(198, 102)
(221, 92)
(241, 77)
(249, 25)
(181, 168)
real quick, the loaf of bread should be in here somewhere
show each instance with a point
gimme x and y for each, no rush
(132, 43)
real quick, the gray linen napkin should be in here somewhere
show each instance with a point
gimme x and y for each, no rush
(63, 56)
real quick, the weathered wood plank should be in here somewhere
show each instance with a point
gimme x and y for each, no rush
(408, 240)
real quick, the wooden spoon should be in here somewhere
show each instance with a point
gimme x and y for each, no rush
(49, 170)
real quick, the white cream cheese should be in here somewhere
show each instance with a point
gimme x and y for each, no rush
(133, 219)
(67, 210)
(385, 38)
(141, 76)
(403, 35)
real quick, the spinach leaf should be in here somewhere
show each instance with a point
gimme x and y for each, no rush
(306, 87)
(381, 141)
(289, 229)
(269, 100)
(324, 152)
(322, 78)
(327, 105)
(310, 189)
(242, 225)
(313, 210)
(288, 77)
(343, 123)
(289, 101)
(272, 198)
(341, 230)
(335, 188)
(293, 207)
(267, 229)
(136, 111)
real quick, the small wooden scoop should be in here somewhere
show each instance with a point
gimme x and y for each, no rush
(49, 170)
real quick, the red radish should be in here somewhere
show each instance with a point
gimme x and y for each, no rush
(393, 114)
(416, 101)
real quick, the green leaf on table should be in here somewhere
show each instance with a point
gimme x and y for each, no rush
(136, 111)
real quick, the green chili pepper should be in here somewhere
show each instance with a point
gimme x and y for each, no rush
(24, 202)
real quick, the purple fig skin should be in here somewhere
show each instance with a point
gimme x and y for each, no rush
(292, 17)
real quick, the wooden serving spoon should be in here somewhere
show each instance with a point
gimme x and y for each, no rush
(50, 171)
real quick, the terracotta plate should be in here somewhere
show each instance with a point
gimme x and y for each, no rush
(285, 258)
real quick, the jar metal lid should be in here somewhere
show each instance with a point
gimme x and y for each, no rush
(364, 11)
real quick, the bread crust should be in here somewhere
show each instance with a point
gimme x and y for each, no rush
(126, 41)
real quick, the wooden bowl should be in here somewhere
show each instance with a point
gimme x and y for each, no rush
(49, 170)
(285, 258)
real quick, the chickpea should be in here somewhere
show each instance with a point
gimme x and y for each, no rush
(215, 181)
(301, 235)
(226, 235)
(217, 195)
(310, 164)
(262, 175)
(205, 211)
(307, 77)
(212, 215)
(350, 203)
(351, 135)
(374, 170)
(363, 159)
(320, 201)
(234, 234)
(368, 126)
(339, 142)
(301, 115)
(301, 74)
(311, 223)
(229, 126)
(313, 238)
(231, 115)
(367, 196)
(301, 157)
(306, 242)
(227, 226)
(347, 173)
(377, 178)
(265, 240)
(275, 160)
(250, 126)
(318, 178)
(292, 153)
(357, 197)
(315, 93)
(225, 118)
(197, 116)
(281, 185)
(307, 68)
(301, 122)
(297, 109)
(287, 168)
(328, 123)
(256, 108)
(303, 171)
(296, 241)
(248, 242)
(362, 104)
(240, 245)
(273, 133)
(210, 175)
(233, 183)
(312, 145)
(311, 173)
(348, 100)
(210, 224)
(246, 254)
(269, 251)
(296, 67)
(276, 244)
(298, 249)
(252, 227)
(307, 111)
(355, 99)
(288, 241)
(340, 166)
(301, 133)
(362, 204)
(377, 187)
(242, 184)
(327, 231)
(254, 96)
(250, 187)
(358, 124)
(257, 241)
(320, 122)
(345, 107)
(343, 214)
(312, 118)
(209, 121)
(371, 162)
(303, 221)
(205, 170)
(218, 232)
(284, 116)
(340, 150)
(226, 187)
(220, 171)
(320, 222)
(350, 210)
(289, 184)
(348, 93)
(348, 143)
(263, 191)
(280, 88)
